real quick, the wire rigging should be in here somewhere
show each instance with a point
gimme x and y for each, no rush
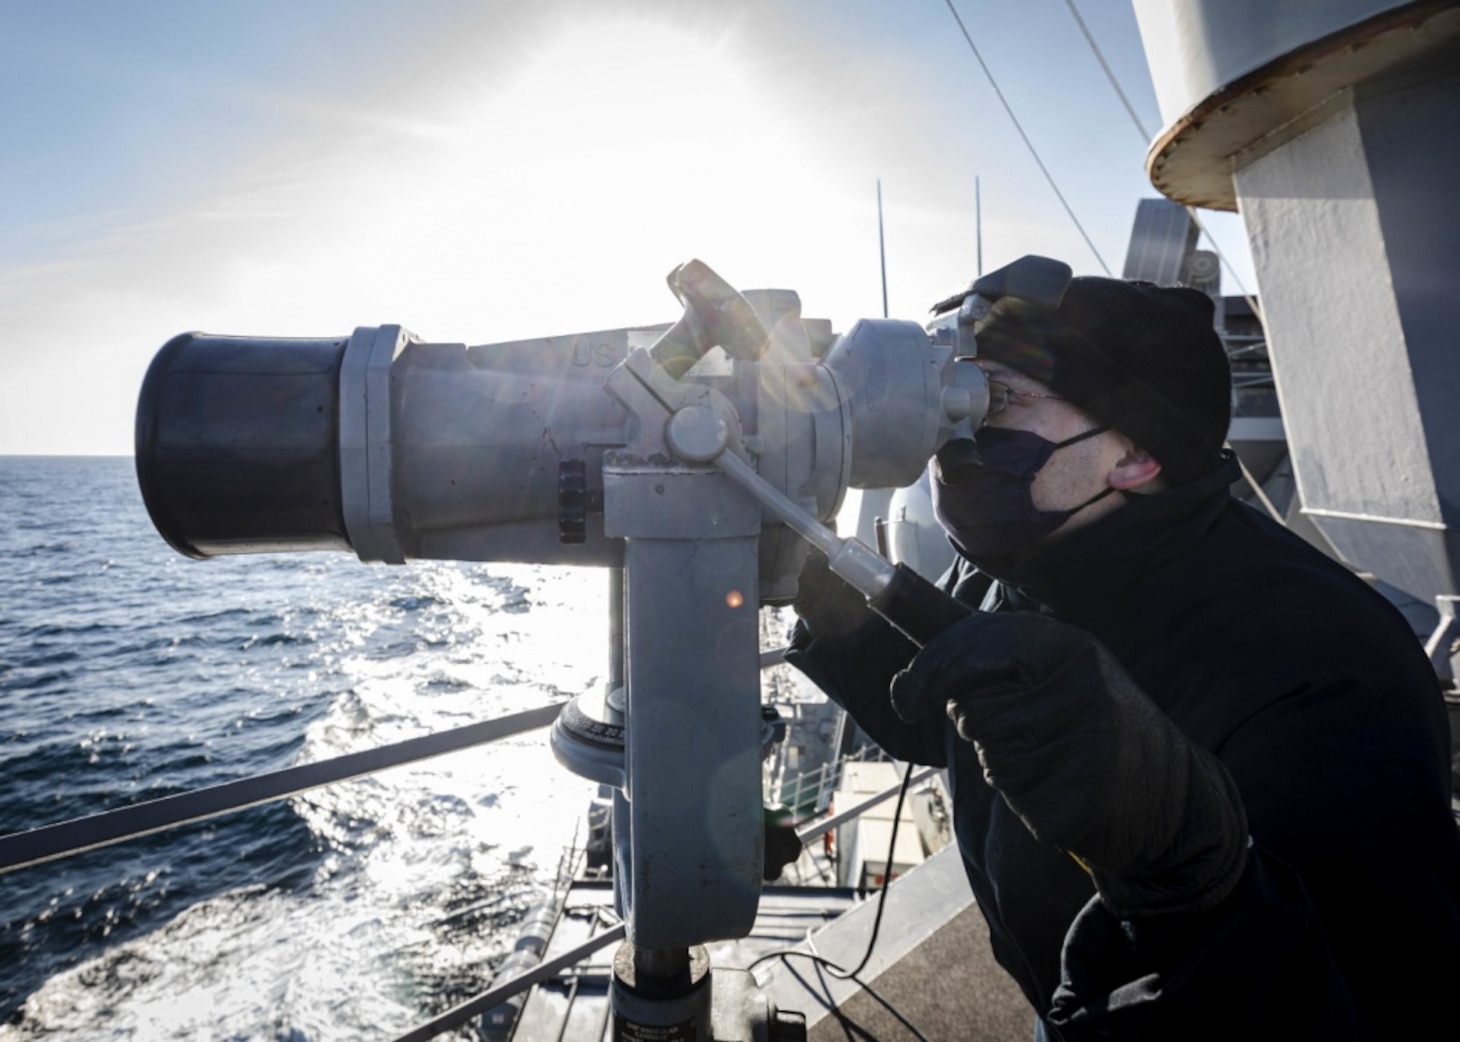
(1027, 143)
(1109, 72)
(1135, 118)
(1145, 138)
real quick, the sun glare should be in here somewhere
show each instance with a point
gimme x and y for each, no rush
(618, 149)
(634, 118)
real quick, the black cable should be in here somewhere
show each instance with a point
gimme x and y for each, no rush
(881, 898)
(832, 968)
(886, 875)
(848, 1025)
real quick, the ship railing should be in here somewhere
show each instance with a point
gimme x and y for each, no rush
(809, 792)
(554, 967)
(51, 842)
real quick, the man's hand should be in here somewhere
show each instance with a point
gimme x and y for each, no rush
(1085, 759)
(828, 605)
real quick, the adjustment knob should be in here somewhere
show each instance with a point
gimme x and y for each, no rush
(572, 501)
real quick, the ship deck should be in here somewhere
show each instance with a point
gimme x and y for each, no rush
(931, 967)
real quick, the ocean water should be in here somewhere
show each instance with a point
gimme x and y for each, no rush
(128, 672)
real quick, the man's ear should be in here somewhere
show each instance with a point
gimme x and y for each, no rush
(1135, 469)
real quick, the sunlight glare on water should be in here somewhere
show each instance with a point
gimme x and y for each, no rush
(350, 911)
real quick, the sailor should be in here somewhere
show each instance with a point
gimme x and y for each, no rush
(1200, 771)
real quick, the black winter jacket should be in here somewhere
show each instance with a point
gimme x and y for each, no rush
(1315, 695)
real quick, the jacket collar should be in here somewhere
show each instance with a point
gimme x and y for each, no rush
(1088, 566)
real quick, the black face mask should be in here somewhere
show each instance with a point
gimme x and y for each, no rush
(982, 490)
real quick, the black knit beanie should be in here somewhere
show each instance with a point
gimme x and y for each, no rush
(1142, 358)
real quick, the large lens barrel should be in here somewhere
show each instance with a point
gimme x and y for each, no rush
(399, 449)
(238, 444)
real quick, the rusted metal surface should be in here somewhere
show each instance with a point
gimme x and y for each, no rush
(1192, 160)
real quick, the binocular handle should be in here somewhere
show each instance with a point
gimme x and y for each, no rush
(715, 315)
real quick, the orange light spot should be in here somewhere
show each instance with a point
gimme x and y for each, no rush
(734, 598)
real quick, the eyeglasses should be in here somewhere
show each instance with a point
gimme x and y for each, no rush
(1000, 393)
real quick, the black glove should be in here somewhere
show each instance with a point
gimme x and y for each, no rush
(782, 845)
(826, 603)
(1085, 759)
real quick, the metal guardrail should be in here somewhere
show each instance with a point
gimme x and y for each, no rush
(458, 1015)
(856, 810)
(49, 842)
(820, 782)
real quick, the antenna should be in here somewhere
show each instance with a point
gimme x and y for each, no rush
(881, 247)
(978, 226)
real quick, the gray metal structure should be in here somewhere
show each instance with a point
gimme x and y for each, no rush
(1335, 128)
(1163, 236)
(1163, 250)
(679, 455)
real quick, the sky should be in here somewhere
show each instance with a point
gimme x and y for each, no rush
(487, 171)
